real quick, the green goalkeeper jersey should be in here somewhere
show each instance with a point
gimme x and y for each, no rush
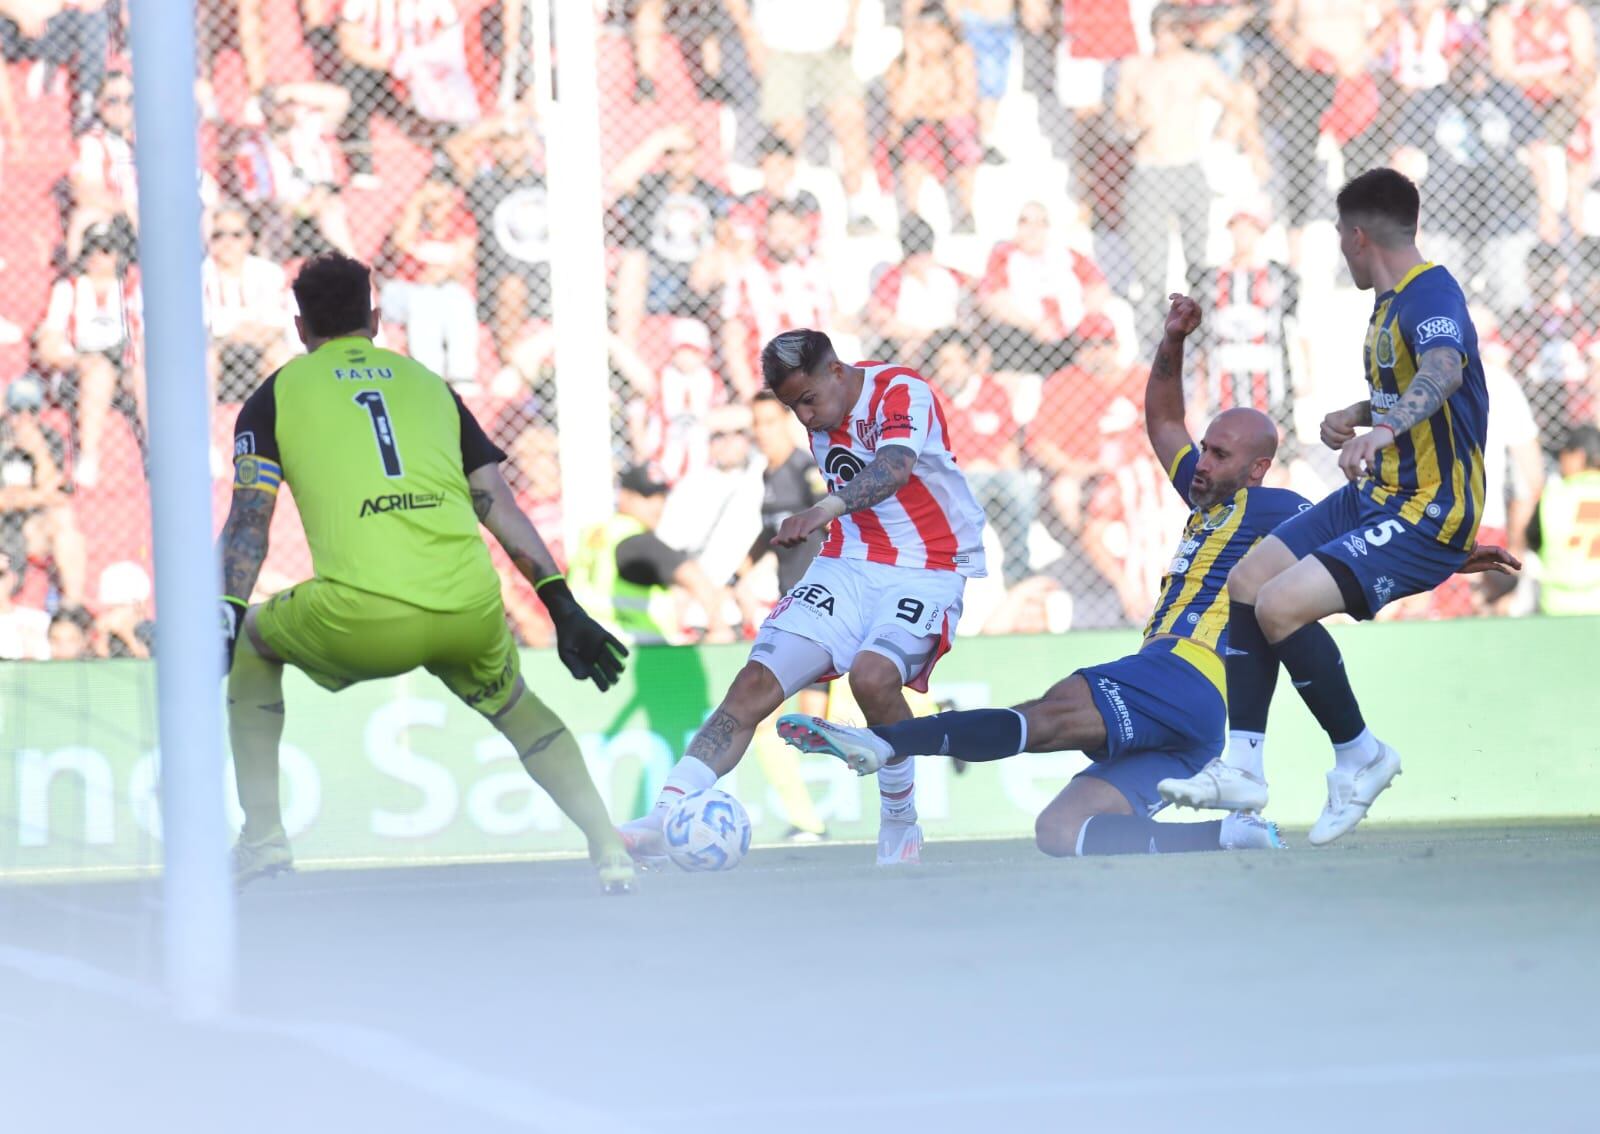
(376, 449)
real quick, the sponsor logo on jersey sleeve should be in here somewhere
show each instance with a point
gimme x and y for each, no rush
(1439, 327)
(244, 442)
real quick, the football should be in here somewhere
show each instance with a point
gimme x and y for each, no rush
(708, 830)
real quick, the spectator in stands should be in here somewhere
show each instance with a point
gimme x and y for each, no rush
(666, 223)
(1040, 24)
(10, 120)
(1317, 46)
(667, 412)
(37, 524)
(407, 62)
(1473, 134)
(246, 307)
(1253, 304)
(229, 25)
(429, 288)
(69, 634)
(1416, 42)
(1068, 438)
(986, 438)
(287, 171)
(123, 628)
(914, 298)
(1545, 336)
(1162, 102)
(1513, 466)
(511, 207)
(1566, 530)
(533, 470)
(68, 36)
(933, 108)
(1546, 49)
(990, 30)
(24, 630)
(85, 344)
(779, 182)
(772, 289)
(1034, 291)
(801, 52)
(713, 514)
(101, 185)
(700, 28)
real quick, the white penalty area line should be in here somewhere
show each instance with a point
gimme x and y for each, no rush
(383, 1054)
(1199, 1084)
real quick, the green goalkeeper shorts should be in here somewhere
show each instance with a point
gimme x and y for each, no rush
(340, 635)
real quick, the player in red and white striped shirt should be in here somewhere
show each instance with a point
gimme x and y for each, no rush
(881, 600)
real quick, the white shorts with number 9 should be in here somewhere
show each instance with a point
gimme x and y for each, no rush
(845, 606)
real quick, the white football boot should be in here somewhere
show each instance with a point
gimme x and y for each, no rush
(1245, 830)
(1351, 795)
(261, 859)
(862, 749)
(1217, 785)
(646, 838)
(615, 871)
(899, 844)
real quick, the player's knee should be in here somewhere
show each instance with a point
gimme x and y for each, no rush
(1277, 612)
(874, 682)
(1055, 833)
(754, 694)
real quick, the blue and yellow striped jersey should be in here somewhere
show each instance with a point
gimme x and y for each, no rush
(1194, 595)
(1433, 473)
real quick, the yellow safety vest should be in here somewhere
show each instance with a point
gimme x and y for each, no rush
(1569, 520)
(624, 607)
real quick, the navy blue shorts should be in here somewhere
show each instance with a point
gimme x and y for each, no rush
(1373, 554)
(1163, 717)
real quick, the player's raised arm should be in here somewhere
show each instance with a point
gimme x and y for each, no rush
(1163, 393)
(584, 646)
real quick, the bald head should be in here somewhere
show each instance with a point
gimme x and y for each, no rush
(1236, 453)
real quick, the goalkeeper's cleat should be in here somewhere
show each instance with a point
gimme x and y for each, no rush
(645, 839)
(1351, 795)
(261, 859)
(862, 749)
(1245, 830)
(899, 844)
(616, 872)
(1218, 785)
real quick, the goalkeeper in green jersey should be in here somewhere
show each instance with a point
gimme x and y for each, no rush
(392, 476)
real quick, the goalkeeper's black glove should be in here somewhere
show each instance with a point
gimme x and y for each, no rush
(232, 611)
(583, 645)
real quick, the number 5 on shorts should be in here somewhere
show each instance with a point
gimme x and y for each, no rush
(1384, 532)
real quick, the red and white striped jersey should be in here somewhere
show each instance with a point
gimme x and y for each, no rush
(767, 297)
(257, 293)
(93, 317)
(1051, 285)
(933, 522)
(394, 26)
(106, 158)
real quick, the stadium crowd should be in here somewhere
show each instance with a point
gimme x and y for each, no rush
(998, 192)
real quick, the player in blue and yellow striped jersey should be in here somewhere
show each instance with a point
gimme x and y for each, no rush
(1404, 523)
(1155, 714)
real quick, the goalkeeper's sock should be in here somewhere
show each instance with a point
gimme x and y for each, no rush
(1317, 669)
(255, 727)
(689, 775)
(550, 754)
(973, 735)
(897, 791)
(1134, 834)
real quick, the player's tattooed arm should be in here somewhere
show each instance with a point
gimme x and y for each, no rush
(244, 541)
(496, 508)
(1163, 392)
(886, 475)
(1438, 376)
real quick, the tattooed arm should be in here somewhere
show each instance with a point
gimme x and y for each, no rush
(244, 540)
(886, 475)
(1163, 393)
(1438, 376)
(496, 506)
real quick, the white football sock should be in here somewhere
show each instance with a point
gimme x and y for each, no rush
(1247, 752)
(689, 775)
(893, 779)
(1356, 754)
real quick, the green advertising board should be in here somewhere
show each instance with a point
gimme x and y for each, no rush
(1494, 719)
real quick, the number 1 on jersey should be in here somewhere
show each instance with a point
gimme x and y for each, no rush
(382, 429)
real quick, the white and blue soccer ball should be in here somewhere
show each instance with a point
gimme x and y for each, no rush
(707, 830)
